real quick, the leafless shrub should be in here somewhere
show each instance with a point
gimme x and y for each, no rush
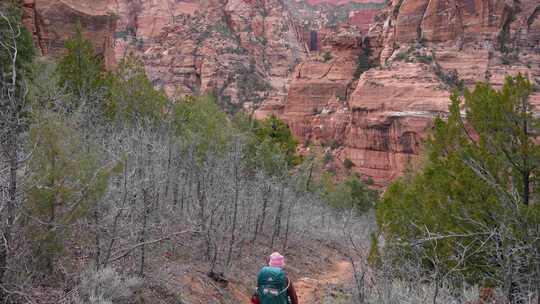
(106, 286)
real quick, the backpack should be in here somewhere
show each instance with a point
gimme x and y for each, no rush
(272, 286)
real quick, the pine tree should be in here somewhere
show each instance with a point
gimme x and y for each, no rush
(66, 182)
(81, 70)
(200, 121)
(476, 198)
(133, 98)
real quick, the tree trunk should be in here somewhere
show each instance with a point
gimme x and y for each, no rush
(143, 231)
(117, 217)
(50, 223)
(526, 186)
(235, 214)
(289, 211)
(277, 220)
(97, 239)
(10, 210)
(436, 294)
(168, 171)
(266, 193)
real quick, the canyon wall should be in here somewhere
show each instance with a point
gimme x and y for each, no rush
(420, 51)
(427, 48)
(358, 79)
(241, 50)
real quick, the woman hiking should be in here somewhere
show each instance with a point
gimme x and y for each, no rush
(273, 285)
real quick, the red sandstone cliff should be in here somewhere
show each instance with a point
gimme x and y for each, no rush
(241, 50)
(256, 54)
(423, 49)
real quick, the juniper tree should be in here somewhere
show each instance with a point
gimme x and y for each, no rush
(66, 182)
(473, 209)
(132, 97)
(81, 70)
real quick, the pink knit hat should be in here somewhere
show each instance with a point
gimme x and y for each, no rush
(276, 260)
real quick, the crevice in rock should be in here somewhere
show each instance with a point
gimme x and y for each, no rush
(533, 16)
(420, 24)
(508, 16)
(460, 26)
(327, 71)
(395, 12)
(39, 34)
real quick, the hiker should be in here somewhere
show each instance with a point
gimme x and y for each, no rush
(273, 285)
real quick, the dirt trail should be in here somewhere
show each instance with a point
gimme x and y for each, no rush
(311, 290)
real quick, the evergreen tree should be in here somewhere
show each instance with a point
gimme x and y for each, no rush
(200, 122)
(81, 69)
(474, 206)
(133, 98)
(66, 182)
(272, 146)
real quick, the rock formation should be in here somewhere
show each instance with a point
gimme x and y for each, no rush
(305, 61)
(422, 50)
(242, 51)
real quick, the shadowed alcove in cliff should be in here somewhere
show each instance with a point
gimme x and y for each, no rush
(313, 45)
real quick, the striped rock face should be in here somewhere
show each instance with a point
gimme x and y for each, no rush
(298, 60)
(241, 50)
(423, 48)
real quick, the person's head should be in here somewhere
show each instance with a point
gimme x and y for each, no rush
(276, 260)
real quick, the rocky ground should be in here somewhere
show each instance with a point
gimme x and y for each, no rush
(181, 276)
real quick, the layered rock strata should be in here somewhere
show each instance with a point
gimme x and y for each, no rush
(242, 51)
(422, 50)
(299, 61)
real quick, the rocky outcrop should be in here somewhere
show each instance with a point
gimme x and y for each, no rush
(242, 51)
(319, 88)
(423, 50)
(343, 2)
(392, 109)
(305, 61)
(51, 21)
(362, 18)
(507, 26)
(315, 15)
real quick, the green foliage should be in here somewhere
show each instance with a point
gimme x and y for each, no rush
(271, 145)
(80, 71)
(66, 182)
(427, 59)
(350, 193)
(16, 56)
(275, 132)
(200, 121)
(132, 97)
(374, 258)
(251, 86)
(10, 25)
(402, 56)
(450, 78)
(44, 89)
(479, 169)
(348, 164)
(327, 56)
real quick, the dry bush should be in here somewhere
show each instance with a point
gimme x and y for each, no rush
(106, 286)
